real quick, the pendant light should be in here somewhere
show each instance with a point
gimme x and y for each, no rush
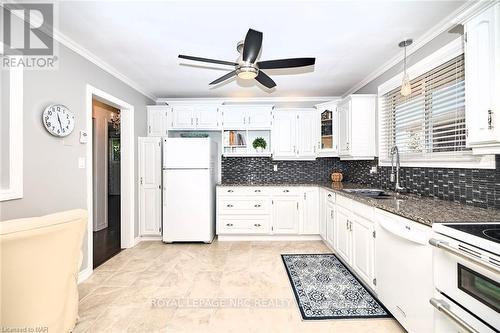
(405, 84)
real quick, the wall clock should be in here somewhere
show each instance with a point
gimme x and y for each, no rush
(58, 120)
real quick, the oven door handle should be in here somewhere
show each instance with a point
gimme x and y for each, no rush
(445, 246)
(444, 308)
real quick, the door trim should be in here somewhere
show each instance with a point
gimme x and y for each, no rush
(127, 177)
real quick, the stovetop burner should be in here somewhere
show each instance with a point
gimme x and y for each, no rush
(490, 231)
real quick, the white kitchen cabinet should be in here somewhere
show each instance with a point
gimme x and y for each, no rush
(363, 248)
(310, 222)
(357, 122)
(330, 223)
(482, 81)
(284, 135)
(342, 233)
(286, 214)
(150, 186)
(322, 213)
(250, 117)
(328, 126)
(295, 134)
(195, 117)
(157, 118)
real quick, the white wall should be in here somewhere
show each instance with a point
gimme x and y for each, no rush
(52, 180)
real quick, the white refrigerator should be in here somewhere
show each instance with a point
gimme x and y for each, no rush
(189, 177)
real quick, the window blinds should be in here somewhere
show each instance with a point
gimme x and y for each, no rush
(430, 123)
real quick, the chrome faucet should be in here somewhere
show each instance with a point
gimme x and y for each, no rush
(395, 151)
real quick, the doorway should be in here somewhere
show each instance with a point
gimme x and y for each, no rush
(106, 169)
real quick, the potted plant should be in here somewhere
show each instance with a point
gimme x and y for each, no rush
(259, 144)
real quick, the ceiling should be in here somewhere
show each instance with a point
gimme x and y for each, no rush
(350, 39)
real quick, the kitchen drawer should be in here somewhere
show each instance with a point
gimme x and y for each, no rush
(281, 191)
(243, 190)
(343, 201)
(243, 225)
(243, 205)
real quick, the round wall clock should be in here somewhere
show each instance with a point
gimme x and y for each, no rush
(58, 120)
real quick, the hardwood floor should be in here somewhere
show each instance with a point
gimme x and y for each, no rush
(107, 241)
(157, 287)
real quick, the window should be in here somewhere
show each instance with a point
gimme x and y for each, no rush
(428, 126)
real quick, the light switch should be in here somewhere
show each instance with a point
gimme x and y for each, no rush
(81, 162)
(84, 138)
(275, 167)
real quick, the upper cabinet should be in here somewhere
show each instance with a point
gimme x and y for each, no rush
(190, 117)
(356, 127)
(328, 129)
(158, 119)
(295, 134)
(482, 81)
(247, 116)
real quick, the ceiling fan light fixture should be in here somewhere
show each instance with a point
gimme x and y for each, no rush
(247, 73)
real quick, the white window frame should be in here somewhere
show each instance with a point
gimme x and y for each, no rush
(15, 188)
(467, 159)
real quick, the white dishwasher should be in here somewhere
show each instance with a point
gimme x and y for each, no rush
(403, 268)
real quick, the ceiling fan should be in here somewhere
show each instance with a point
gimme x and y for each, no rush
(247, 67)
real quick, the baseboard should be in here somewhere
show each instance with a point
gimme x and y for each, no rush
(228, 238)
(139, 239)
(85, 274)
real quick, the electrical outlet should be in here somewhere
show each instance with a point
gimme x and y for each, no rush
(275, 167)
(374, 169)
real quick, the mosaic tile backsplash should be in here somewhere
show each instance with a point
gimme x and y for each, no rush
(478, 187)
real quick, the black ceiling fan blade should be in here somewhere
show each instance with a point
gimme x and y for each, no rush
(265, 80)
(252, 45)
(214, 61)
(224, 77)
(286, 63)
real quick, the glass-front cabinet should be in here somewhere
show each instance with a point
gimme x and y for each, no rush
(328, 129)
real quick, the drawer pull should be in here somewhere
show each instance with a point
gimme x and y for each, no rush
(329, 195)
(257, 225)
(230, 191)
(286, 191)
(256, 205)
(258, 191)
(229, 224)
(229, 205)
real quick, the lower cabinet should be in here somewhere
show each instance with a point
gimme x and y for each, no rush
(330, 223)
(286, 214)
(342, 234)
(310, 207)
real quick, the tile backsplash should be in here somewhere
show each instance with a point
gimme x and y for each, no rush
(478, 187)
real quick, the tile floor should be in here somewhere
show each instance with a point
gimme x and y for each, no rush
(154, 287)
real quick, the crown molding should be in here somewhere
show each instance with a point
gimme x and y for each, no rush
(459, 16)
(221, 100)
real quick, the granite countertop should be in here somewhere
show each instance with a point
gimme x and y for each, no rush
(425, 210)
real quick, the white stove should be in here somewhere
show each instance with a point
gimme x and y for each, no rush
(466, 262)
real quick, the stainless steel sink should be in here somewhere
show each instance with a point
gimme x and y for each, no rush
(372, 193)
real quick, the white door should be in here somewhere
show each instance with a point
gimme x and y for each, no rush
(482, 72)
(344, 129)
(330, 223)
(206, 117)
(157, 120)
(234, 118)
(342, 234)
(286, 214)
(259, 117)
(284, 134)
(183, 117)
(150, 186)
(363, 249)
(310, 217)
(307, 134)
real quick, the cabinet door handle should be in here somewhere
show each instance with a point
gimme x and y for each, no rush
(244, 120)
(329, 195)
(229, 224)
(149, 129)
(196, 121)
(286, 191)
(229, 205)
(230, 191)
(191, 121)
(257, 225)
(257, 205)
(258, 191)
(490, 119)
(249, 121)
(141, 180)
(331, 213)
